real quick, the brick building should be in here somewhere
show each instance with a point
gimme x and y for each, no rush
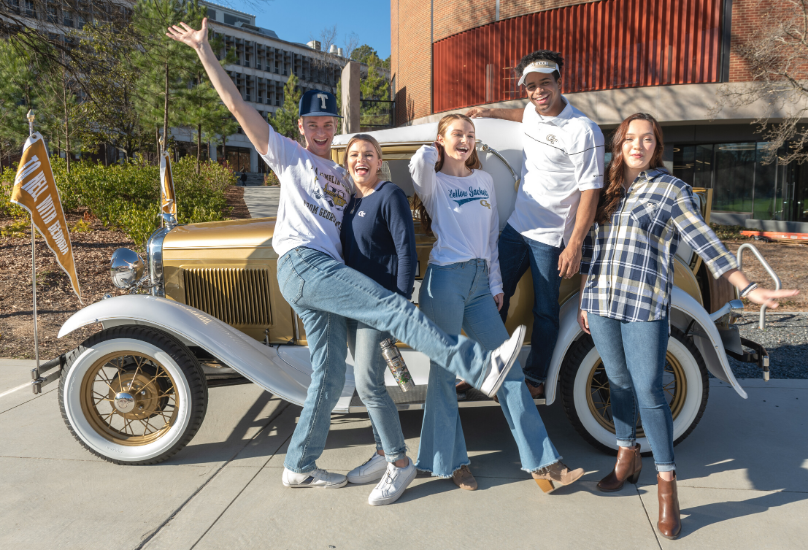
(665, 57)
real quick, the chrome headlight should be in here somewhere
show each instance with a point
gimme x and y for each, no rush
(126, 268)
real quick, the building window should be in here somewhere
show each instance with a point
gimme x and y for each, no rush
(232, 19)
(211, 14)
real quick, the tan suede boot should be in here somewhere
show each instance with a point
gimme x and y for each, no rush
(464, 479)
(627, 467)
(670, 523)
(556, 475)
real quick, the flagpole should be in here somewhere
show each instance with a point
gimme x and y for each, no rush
(35, 372)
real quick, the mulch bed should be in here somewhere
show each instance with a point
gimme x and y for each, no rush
(56, 301)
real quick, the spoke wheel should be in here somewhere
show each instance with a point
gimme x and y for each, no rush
(133, 395)
(129, 399)
(674, 384)
(587, 398)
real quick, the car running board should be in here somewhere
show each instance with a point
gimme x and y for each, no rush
(415, 399)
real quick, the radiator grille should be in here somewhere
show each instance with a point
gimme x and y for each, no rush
(235, 296)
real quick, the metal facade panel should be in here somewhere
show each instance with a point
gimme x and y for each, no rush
(606, 45)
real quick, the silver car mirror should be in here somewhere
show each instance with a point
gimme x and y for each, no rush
(126, 268)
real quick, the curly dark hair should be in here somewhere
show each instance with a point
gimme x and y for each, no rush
(538, 55)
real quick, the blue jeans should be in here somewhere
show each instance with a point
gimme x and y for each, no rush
(458, 296)
(516, 254)
(633, 355)
(369, 369)
(325, 293)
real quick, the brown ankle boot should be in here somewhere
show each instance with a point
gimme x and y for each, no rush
(627, 467)
(669, 523)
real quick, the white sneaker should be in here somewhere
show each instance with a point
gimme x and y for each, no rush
(316, 478)
(370, 471)
(392, 485)
(502, 359)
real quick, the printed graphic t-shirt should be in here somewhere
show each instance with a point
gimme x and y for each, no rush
(314, 193)
(563, 156)
(464, 214)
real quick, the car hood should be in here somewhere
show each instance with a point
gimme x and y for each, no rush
(253, 233)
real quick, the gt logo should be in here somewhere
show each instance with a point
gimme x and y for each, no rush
(322, 98)
(486, 204)
(552, 139)
(361, 214)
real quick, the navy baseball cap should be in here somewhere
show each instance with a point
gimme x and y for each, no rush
(318, 103)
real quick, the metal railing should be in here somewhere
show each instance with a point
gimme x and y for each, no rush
(769, 270)
(376, 114)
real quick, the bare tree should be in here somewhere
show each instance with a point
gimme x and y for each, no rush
(776, 57)
(351, 43)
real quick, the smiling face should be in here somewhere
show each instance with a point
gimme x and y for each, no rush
(458, 140)
(363, 163)
(639, 145)
(544, 92)
(319, 133)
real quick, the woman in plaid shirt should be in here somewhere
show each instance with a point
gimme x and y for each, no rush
(625, 295)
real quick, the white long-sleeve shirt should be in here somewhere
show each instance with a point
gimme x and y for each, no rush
(464, 214)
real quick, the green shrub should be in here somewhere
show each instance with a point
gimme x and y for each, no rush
(128, 196)
(729, 232)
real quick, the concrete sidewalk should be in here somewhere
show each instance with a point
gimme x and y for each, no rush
(743, 483)
(262, 202)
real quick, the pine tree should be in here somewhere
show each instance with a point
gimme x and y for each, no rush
(284, 121)
(109, 80)
(165, 64)
(19, 77)
(202, 110)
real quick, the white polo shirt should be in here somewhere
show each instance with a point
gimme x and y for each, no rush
(562, 156)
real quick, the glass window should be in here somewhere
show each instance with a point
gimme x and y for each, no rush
(734, 177)
(694, 164)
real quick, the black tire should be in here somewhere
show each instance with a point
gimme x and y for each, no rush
(171, 390)
(688, 404)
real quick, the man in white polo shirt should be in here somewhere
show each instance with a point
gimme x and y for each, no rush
(562, 174)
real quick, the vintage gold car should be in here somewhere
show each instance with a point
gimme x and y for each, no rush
(210, 313)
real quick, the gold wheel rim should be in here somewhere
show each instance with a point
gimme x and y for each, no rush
(598, 395)
(129, 398)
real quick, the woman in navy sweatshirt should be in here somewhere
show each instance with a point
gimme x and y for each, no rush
(378, 240)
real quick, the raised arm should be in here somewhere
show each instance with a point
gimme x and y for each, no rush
(422, 170)
(505, 114)
(253, 124)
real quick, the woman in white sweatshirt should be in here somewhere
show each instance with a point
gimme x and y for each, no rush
(462, 288)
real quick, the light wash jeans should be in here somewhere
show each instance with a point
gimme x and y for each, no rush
(325, 293)
(458, 296)
(516, 255)
(369, 369)
(633, 355)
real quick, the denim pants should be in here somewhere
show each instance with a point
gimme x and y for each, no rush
(458, 296)
(633, 355)
(516, 254)
(369, 369)
(325, 293)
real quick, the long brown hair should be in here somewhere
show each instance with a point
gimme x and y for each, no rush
(616, 171)
(472, 163)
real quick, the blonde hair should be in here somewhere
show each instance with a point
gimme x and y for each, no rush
(362, 137)
(472, 163)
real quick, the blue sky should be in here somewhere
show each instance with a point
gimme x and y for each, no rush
(303, 20)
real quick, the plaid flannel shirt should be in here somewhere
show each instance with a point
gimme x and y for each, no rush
(629, 262)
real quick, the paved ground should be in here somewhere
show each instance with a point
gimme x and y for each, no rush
(262, 202)
(744, 483)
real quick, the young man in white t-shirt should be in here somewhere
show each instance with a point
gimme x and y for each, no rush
(562, 174)
(324, 292)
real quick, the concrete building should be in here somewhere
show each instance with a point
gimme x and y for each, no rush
(264, 64)
(666, 57)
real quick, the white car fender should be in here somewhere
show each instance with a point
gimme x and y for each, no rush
(684, 310)
(281, 370)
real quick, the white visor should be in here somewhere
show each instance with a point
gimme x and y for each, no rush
(541, 66)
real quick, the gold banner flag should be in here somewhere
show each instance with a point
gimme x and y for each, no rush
(35, 190)
(168, 202)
